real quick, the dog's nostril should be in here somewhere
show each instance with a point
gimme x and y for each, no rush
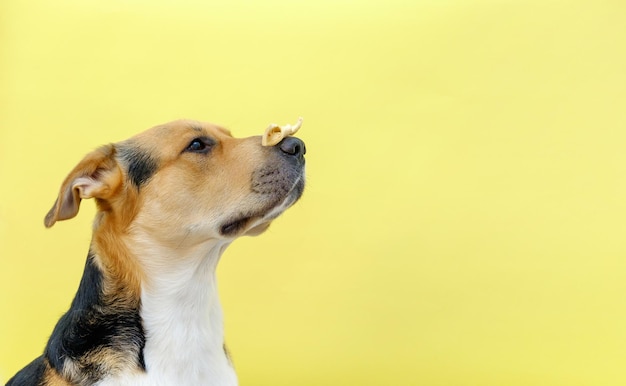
(292, 146)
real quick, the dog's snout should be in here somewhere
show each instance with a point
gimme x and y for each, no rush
(292, 146)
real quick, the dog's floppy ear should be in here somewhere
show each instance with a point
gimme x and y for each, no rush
(96, 176)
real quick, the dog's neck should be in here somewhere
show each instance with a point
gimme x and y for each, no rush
(180, 312)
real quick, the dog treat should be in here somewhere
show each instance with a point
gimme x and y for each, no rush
(274, 133)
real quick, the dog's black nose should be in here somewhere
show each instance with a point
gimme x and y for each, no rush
(292, 146)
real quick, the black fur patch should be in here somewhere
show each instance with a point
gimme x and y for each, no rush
(92, 324)
(31, 375)
(140, 164)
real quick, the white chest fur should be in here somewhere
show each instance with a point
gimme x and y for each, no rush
(183, 323)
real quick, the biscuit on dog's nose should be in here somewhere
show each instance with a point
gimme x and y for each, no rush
(275, 133)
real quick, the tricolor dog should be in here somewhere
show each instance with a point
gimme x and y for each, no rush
(170, 200)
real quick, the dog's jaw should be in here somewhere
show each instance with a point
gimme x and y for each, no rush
(182, 317)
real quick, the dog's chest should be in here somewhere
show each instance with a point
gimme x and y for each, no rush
(184, 338)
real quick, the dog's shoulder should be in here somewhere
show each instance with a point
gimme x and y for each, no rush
(98, 335)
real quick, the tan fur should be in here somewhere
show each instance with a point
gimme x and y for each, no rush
(52, 378)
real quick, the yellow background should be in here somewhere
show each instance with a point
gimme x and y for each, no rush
(465, 213)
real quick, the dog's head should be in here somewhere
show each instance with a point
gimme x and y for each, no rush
(185, 182)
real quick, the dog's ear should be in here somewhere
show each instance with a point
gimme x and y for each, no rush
(96, 176)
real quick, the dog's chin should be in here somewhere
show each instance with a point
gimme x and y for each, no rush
(269, 207)
(258, 229)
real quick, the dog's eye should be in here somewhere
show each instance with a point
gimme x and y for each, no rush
(199, 145)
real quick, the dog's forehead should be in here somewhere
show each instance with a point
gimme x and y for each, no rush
(180, 130)
(143, 154)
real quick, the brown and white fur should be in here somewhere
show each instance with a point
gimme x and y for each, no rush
(170, 200)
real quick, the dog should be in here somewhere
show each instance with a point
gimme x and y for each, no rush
(169, 201)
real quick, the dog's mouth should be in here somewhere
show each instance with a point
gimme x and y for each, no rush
(273, 191)
(234, 227)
